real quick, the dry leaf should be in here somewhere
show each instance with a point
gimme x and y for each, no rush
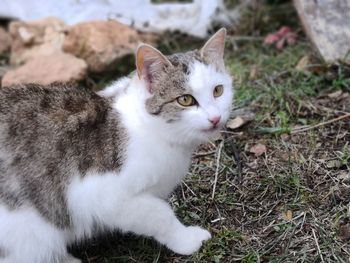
(310, 64)
(345, 176)
(288, 215)
(303, 63)
(235, 123)
(254, 72)
(218, 137)
(281, 37)
(333, 164)
(258, 149)
(285, 137)
(246, 113)
(335, 94)
(285, 156)
(344, 232)
(271, 38)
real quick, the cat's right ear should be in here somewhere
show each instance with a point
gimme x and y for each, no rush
(213, 50)
(149, 63)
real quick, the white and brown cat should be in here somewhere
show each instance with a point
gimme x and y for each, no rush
(74, 163)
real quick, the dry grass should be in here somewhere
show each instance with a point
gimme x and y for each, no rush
(290, 204)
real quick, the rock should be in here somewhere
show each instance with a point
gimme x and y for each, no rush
(59, 67)
(100, 43)
(326, 23)
(3, 70)
(5, 41)
(36, 38)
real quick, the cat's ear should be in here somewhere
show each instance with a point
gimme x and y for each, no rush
(213, 50)
(149, 63)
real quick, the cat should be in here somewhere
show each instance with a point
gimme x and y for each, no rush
(74, 163)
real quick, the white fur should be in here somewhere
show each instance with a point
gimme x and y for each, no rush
(158, 156)
(116, 88)
(26, 237)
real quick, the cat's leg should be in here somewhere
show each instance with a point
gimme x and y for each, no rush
(150, 216)
(28, 238)
(99, 200)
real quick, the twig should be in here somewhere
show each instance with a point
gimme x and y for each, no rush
(189, 188)
(327, 109)
(237, 158)
(317, 245)
(298, 130)
(217, 219)
(244, 38)
(217, 169)
(202, 154)
(272, 224)
(238, 161)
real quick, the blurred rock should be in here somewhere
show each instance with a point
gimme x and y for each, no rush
(36, 38)
(326, 23)
(3, 70)
(100, 43)
(59, 67)
(5, 41)
(196, 17)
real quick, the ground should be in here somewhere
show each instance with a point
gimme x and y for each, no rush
(289, 204)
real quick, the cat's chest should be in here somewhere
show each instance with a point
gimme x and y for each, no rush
(162, 165)
(171, 166)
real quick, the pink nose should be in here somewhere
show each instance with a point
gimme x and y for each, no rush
(215, 120)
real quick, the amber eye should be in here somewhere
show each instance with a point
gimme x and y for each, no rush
(186, 100)
(219, 89)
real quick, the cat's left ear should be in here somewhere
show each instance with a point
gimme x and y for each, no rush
(149, 63)
(213, 51)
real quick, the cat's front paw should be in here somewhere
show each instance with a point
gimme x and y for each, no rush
(188, 240)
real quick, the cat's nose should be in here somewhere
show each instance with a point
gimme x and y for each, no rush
(215, 120)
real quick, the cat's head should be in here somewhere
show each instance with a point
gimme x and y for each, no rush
(190, 94)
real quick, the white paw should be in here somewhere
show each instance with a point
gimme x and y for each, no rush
(188, 240)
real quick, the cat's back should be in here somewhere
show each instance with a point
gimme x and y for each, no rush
(55, 102)
(29, 112)
(63, 122)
